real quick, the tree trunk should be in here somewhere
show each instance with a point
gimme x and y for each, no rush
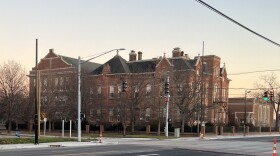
(276, 123)
(132, 127)
(50, 125)
(158, 129)
(124, 129)
(16, 125)
(9, 126)
(183, 126)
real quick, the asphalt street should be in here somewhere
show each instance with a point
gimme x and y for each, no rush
(112, 150)
(215, 145)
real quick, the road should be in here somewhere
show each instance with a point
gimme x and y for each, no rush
(112, 150)
(260, 146)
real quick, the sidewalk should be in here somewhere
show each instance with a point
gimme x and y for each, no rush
(115, 141)
(55, 145)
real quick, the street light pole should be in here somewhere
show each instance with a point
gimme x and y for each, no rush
(36, 97)
(79, 99)
(245, 111)
(167, 105)
(79, 88)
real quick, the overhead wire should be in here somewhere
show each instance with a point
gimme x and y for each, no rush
(234, 21)
(250, 72)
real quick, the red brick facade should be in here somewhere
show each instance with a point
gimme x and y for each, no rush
(257, 112)
(143, 102)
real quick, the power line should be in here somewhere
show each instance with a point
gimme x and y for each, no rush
(241, 25)
(257, 71)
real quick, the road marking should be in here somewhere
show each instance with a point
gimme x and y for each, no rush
(148, 155)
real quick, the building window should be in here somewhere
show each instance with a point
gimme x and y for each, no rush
(119, 90)
(136, 91)
(111, 115)
(56, 81)
(180, 88)
(148, 90)
(67, 79)
(61, 81)
(224, 94)
(215, 92)
(44, 100)
(147, 114)
(118, 115)
(45, 81)
(111, 92)
(268, 115)
(98, 91)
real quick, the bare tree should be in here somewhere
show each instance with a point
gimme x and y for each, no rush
(187, 95)
(58, 96)
(13, 88)
(269, 82)
(131, 100)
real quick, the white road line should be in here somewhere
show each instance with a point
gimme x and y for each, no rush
(148, 155)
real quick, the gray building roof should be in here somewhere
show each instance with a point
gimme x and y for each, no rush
(85, 66)
(117, 65)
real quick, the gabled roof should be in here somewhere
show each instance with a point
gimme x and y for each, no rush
(181, 63)
(117, 65)
(143, 66)
(85, 66)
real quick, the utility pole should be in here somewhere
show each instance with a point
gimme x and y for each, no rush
(167, 95)
(36, 97)
(79, 99)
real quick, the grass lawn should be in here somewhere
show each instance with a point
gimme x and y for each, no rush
(23, 140)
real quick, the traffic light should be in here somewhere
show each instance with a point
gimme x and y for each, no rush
(124, 86)
(166, 88)
(169, 120)
(271, 93)
(83, 116)
(265, 96)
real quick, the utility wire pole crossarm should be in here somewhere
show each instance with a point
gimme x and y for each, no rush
(80, 62)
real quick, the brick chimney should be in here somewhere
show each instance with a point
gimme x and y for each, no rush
(132, 55)
(182, 53)
(139, 55)
(176, 52)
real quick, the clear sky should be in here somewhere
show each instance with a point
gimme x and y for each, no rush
(85, 27)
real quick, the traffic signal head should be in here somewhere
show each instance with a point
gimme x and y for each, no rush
(271, 93)
(166, 88)
(124, 86)
(265, 96)
(83, 116)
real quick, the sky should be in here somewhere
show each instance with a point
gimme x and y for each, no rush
(87, 27)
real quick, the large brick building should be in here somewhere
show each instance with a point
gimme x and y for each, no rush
(198, 89)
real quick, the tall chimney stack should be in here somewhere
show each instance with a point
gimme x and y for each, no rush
(132, 55)
(139, 55)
